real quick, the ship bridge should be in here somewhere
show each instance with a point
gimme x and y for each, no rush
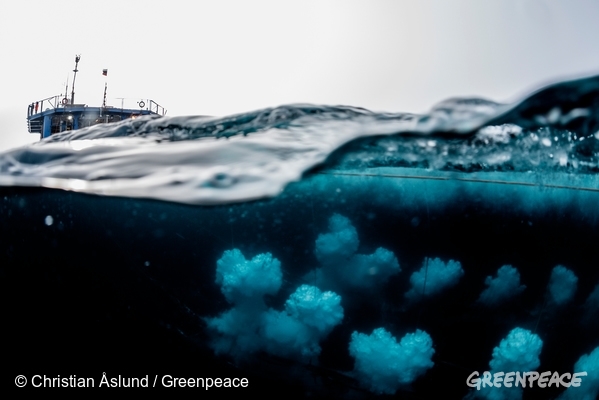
(60, 113)
(55, 114)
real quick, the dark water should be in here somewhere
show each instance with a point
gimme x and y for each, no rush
(128, 284)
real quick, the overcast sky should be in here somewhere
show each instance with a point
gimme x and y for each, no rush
(223, 57)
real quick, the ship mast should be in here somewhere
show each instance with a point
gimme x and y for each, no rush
(104, 102)
(77, 58)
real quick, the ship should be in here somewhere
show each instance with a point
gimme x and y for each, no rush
(61, 113)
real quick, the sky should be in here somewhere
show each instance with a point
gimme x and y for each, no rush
(231, 56)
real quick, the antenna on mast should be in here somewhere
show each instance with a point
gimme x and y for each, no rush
(66, 91)
(77, 58)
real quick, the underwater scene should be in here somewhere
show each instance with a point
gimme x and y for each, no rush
(312, 251)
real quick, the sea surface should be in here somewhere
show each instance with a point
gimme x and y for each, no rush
(318, 251)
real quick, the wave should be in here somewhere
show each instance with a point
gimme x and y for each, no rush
(217, 160)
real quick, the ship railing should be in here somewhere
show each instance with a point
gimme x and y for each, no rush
(38, 106)
(131, 103)
(156, 108)
(60, 101)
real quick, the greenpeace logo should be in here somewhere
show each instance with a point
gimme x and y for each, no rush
(520, 379)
